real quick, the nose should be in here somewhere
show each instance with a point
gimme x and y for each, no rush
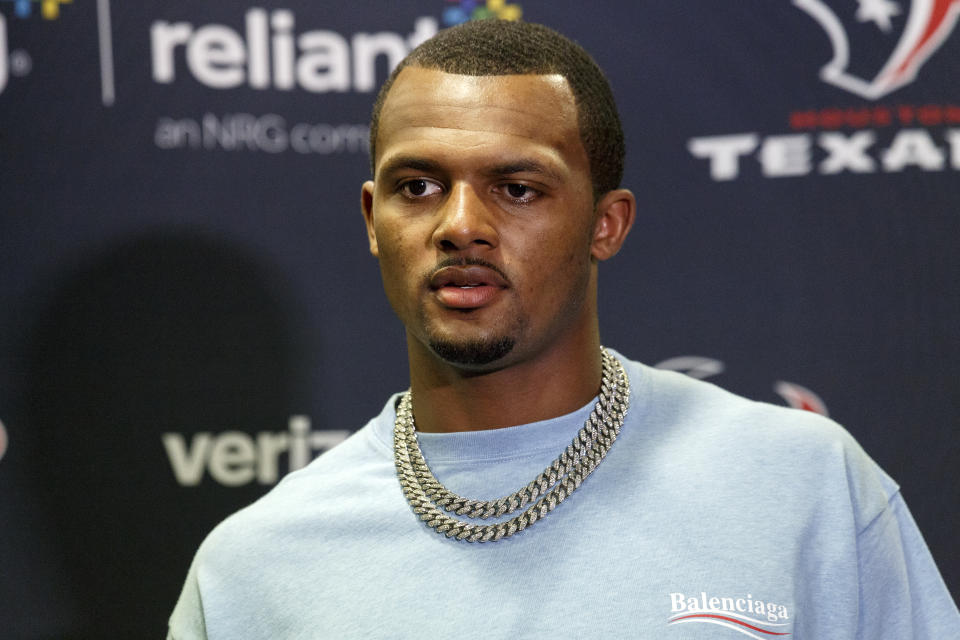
(465, 221)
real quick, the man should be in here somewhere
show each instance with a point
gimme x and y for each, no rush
(601, 498)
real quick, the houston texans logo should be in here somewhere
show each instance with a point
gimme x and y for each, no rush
(701, 368)
(879, 47)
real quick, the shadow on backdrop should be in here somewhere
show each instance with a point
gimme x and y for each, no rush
(172, 332)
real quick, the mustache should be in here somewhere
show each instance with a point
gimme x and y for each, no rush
(468, 261)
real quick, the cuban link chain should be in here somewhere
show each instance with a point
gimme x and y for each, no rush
(427, 496)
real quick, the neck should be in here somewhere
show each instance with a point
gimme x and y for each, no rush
(554, 382)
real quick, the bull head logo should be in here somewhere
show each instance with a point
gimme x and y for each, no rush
(895, 43)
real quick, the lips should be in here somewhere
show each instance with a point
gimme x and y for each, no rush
(467, 287)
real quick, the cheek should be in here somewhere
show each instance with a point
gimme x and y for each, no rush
(395, 286)
(571, 245)
(390, 241)
(397, 265)
(556, 262)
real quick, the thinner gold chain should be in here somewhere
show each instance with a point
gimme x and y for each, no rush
(427, 496)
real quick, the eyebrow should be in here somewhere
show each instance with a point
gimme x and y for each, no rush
(409, 162)
(524, 166)
(417, 163)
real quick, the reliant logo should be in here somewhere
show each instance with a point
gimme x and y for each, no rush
(743, 614)
(270, 54)
(909, 38)
(235, 458)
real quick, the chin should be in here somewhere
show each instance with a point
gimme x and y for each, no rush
(472, 354)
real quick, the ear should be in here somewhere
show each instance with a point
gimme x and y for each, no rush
(615, 213)
(366, 205)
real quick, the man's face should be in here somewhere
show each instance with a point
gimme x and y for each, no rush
(481, 215)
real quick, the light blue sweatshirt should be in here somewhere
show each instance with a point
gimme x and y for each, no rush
(711, 517)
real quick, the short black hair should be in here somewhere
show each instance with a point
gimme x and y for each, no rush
(499, 47)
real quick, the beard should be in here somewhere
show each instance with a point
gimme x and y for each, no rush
(472, 353)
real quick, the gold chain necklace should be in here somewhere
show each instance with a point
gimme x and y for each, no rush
(427, 496)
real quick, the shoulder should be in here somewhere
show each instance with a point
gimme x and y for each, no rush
(323, 491)
(675, 399)
(730, 441)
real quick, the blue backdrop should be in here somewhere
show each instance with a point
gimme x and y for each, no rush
(189, 309)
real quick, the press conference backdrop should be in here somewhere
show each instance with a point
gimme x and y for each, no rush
(188, 309)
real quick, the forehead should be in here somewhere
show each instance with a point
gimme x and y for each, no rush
(533, 113)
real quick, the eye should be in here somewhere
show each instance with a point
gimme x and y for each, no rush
(419, 188)
(520, 193)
